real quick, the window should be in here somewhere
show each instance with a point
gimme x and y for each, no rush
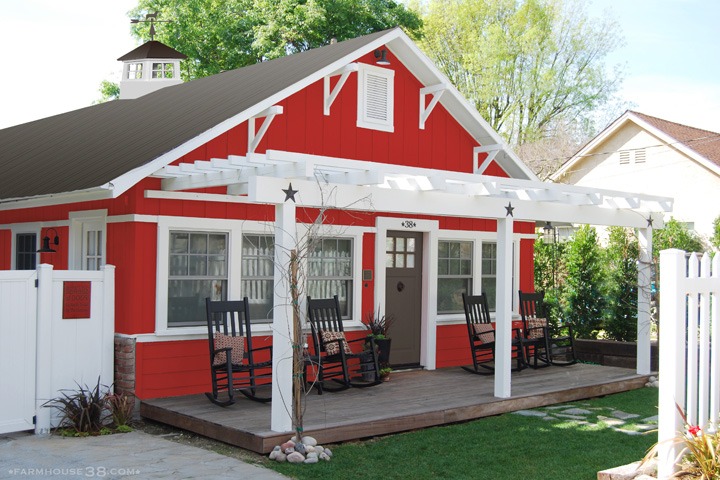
(329, 267)
(25, 251)
(258, 260)
(330, 271)
(162, 70)
(135, 71)
(454, 275)
(489, 273)
(198, 266)
(92, 249)
(375, 98)
(400, 252)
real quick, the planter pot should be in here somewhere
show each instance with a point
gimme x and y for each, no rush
(383, 350)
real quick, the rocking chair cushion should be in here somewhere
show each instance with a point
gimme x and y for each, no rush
(484, 332)
(331, 342)
(536, 327)
(236, 343)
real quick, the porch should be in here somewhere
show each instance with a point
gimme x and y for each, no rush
(410, 400)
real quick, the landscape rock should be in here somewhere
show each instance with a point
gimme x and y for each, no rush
(576, 411)
(328, 452)
(287, 445)
(324, 456)
(300, 448)
(309, 441)
(281, 457)
(296, 457)
(311, 460)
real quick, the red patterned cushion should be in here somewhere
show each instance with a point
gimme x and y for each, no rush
(534, 330)
(332, 347)
(236, 343)
(484, 332)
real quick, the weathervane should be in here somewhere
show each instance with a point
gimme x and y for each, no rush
(150, 18)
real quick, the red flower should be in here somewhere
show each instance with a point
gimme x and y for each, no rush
(694, 430)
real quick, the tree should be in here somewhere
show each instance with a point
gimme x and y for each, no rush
(622, 254)
(675, 235)
(526, 64)
(219, 35)
(108, 91)
(583, 292)
(715, 240)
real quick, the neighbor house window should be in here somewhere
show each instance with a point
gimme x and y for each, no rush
(375, 98)
(162, 70)
(25, 251)
(454, 275)
(258, 260)
(488, 278)
(330, 270)
(198, 268)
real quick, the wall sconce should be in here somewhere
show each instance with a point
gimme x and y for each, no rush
(46, 242)
(381, 55)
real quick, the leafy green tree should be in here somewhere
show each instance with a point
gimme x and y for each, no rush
(526, 65)
(583, 290)
(622, 255)
(108, 91)
(715, 240)
(549, 275)
(219, 35)
(676, 235)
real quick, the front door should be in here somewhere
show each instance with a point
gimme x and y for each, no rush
(403, 295)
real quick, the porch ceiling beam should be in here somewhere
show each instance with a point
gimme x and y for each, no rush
(329, 95)
(269, 190)
(436, 91)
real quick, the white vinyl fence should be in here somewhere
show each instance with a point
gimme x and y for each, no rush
(56, 331)
(689, 324)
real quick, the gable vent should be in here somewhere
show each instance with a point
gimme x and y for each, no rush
(640, 156)
(624, 157)
(375, 97)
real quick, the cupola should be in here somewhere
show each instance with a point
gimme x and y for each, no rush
(150, 67)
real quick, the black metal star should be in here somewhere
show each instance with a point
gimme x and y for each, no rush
(290, 193)
(650, 221)
(509, 209)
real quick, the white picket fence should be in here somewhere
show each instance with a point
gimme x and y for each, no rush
(689, 375)
(45, 346)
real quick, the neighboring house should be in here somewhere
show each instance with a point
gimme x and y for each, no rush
(645, 154)
(190, 192)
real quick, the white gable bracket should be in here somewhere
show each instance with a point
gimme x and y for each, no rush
(436, 91)
(253, 137)
(329, 95)
(491, 150)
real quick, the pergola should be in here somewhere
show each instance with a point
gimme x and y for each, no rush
(289, 180)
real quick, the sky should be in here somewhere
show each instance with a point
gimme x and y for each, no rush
(670, 56)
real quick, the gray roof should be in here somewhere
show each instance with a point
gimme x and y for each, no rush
(90, 147)
(152, 49)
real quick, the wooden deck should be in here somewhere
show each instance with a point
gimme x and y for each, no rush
(410, 400)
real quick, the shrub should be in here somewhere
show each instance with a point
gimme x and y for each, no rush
(83, 410)
(622, 255)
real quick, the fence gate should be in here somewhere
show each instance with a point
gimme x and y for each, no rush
(56, 331)
(689, 367)
(17, 350)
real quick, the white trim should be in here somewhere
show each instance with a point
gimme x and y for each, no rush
(165, 224)
(20, 229)
(429, 228)
(436, 91)
(330, 96)
(98, 193)
(254, 138)
(133, 217)
(363, 119)
(200, 197)
(79, 221)
(491, 150)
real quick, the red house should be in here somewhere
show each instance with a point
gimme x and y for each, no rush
(197, 189)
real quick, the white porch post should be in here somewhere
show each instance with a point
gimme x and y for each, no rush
(282, 357)
(503, 308)
(643, 304)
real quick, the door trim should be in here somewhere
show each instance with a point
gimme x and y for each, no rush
(430, 231)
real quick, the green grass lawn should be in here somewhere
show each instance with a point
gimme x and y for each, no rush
(509, 446)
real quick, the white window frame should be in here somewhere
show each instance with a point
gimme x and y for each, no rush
(478, 238)
(80, 222)
(188, 224)
(162, 70)
(473, 259)
(135, 71)
(363, 120)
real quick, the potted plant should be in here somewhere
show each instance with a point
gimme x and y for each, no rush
(385, 373)
(378, 326)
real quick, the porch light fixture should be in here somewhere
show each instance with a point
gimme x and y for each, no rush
(381, 55)
(46, 242)
(548, 233)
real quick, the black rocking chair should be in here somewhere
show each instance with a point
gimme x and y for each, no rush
(548, 348)
(347, 363)
(482, 337)
(234, 362)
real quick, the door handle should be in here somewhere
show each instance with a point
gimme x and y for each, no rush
(400, 286)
